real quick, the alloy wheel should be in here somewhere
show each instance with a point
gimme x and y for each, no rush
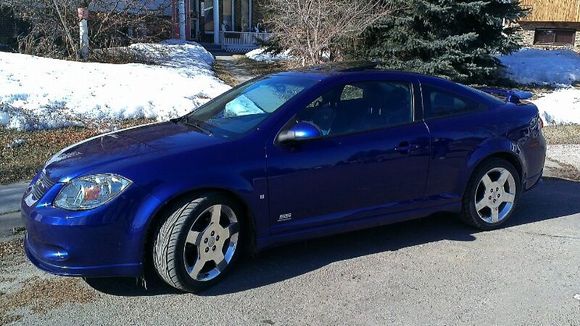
(495, 195)
(211, 243)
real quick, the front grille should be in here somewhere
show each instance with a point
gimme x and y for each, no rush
(41, 186)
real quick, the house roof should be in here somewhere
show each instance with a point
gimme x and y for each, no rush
(552, 10)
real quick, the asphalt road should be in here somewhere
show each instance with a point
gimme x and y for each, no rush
(429, 271)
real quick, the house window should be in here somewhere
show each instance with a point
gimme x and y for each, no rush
(554, 36)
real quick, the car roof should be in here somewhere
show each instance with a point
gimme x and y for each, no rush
(357, 68)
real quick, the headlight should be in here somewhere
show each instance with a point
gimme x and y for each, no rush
(91, 191)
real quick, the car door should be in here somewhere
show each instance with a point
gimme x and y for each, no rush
(372, 159)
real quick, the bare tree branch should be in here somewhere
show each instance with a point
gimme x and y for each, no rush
(313, 28)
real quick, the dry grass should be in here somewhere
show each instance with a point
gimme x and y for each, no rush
(263, 68)
(563, 134)
(223, 69)
(9, 249)
(20, 162)
(222, 72)
(41, 295)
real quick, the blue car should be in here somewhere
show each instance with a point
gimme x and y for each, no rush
(281, 158)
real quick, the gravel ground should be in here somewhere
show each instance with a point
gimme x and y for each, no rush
(429, 271)
(563, 161)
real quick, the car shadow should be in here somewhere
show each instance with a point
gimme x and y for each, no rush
(551, 199)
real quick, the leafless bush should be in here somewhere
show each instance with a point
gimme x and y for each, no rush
(315, 30)
(121, 55)
(54, 28)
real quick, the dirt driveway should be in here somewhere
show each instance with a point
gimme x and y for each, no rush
(429, 271)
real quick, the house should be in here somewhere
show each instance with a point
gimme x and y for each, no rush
(552, 23)
(233, 25)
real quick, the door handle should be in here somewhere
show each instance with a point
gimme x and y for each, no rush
(403, 147)
(406, 147)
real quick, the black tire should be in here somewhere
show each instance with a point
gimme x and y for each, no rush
(469, 213)
(170, 242)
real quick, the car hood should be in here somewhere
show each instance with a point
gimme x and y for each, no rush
(126, 147)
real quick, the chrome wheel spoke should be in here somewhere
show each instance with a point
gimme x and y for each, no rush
(219, 260)
(508, 198)
(486, 181)
(481, 204)
(503, 177)
(194, 237)
(231, 230)
(216, 213)
(494, 215)
(197, 267)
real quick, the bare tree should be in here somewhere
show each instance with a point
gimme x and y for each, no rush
(315, 29)
(53, 24)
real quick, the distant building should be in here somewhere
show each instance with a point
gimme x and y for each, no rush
(229, 24)
(552, 23)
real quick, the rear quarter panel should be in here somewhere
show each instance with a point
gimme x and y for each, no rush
(460, 143)
(515, 135)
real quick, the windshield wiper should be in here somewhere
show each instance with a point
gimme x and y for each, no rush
(197, 124)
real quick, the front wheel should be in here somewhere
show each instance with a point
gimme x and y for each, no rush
(491, 195)
(198, 243)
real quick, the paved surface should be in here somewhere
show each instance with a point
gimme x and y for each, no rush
(429, 271)
(10, 196)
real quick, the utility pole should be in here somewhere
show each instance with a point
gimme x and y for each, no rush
(83, 15)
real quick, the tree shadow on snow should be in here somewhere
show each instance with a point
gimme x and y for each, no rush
(551, 199)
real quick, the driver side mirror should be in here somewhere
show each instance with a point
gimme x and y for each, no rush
(299, 132)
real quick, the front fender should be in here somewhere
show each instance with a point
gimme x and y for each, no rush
(163, 193)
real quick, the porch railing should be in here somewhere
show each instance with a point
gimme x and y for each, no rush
(242, 40)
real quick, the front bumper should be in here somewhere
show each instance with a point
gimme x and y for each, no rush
(102, 242)
(85, 271)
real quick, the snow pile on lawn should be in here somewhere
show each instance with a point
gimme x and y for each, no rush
(559, 68)
(263, 56)
(41, 93)
(560, 107)
(543, 67)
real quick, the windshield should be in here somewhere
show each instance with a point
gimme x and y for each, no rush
(243, 108)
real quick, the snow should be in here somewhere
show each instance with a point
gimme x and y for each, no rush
(41, 93)
(557, 68)
(543, 67)
(262, 55)
(560, 107)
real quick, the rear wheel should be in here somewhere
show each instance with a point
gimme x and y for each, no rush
(198, 243)
(492, 194)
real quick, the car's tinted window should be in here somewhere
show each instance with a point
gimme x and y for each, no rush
(441, 103)
(361, 106)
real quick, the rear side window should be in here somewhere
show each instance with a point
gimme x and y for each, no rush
(442, 103)
(351, 92)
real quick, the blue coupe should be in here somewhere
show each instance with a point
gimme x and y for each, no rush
(281, 158)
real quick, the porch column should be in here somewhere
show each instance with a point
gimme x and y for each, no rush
(181, 15)
(216, 22)
(250, 23)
